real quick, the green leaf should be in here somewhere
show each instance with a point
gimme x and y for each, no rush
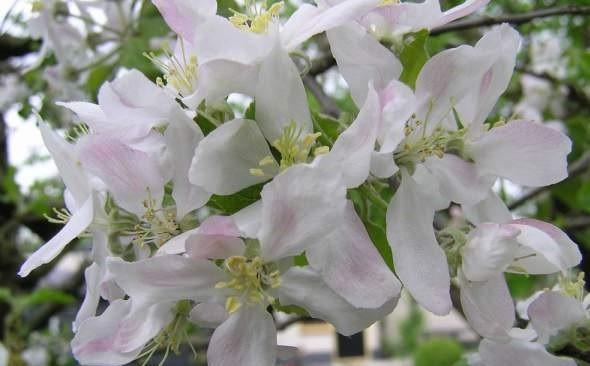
(328, 126)
(10, 192)
(237, 201)
(251, 111)
(48, 295)
(5, 295)
(205, 123)
(96, 78)
(438, 351)
(413, 56)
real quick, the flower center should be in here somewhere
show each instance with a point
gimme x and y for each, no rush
(294, 147)
(251, 278)
(257, 17)
(158, 225)
(181, 73)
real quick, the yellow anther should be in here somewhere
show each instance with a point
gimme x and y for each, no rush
(267, 160)
(257, 172)
(232, 304)
(258, 20)
(293, 147)
(322, 150)
(388, 2)
(181, 73)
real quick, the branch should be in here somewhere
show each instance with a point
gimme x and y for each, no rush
(576, 168)
(514, 19)
(326, 103)
(573, 92)
(577, 223)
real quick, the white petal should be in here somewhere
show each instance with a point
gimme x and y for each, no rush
(352, 267)
(309, 20)
(490, 209)
(519, 353)
(382, 164)
(490, 249)
(230, 43)
(223, 159)
(248, 220)
(552, 312)
(461, 10)
(361, 59)
(527, 153)
(247, 337)
(546, 249)
(218, 78)
(398, 103)
(214, 246)
(116, 165)
(89, 113)
(76, 225)
(488, 307)
(182, 137)
(304, 287)
(183, 16)
(420, 262)
(295, 216)
(64, 156)
(165, 278)
(353, 150)
(458, 180)
(208, 314)
(92, 279)
(280, 96)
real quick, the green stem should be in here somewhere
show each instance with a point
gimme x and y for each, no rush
(373, 196)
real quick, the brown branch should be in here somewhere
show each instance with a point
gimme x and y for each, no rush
(577, 223)
(578, 167)
(514, 19)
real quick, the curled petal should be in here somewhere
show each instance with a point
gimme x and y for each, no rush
(553, 311)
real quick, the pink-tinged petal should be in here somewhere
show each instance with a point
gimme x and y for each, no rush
(361, 59)
(88, 113)
(214, 246)
(420, 262)
(552, 312)
(352, 267)
(223, 159)
(182, 136)
(544, 248)
(490, 209)
(503, 43)
(461, 11)
(490, 249)
(184, 16)
(519, 353)
(117, 336)
(488, 307)
(525, 152)
(75, 226)
(64, 156)
(248, 220)
(305, 287)
(166, 278)
(219, 225)
(116, 164)
(458, 180)
(295, 216)
(280, 96)
(353, 150)
(208, 315)
(247, 337)
(309, 20)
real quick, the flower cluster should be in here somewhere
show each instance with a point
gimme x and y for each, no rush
(147, 183)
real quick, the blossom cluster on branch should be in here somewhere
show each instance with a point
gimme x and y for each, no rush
(148, 169)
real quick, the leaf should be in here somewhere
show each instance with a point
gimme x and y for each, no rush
(328, 126)
(237, 201)
(96, 78)
(48, 295)
(6, 295)
(251, 111)
(413, 56)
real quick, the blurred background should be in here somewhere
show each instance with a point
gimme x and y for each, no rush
(64, 50)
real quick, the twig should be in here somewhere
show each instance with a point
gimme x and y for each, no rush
(577, 223)
(576, 168)
(514, 19)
